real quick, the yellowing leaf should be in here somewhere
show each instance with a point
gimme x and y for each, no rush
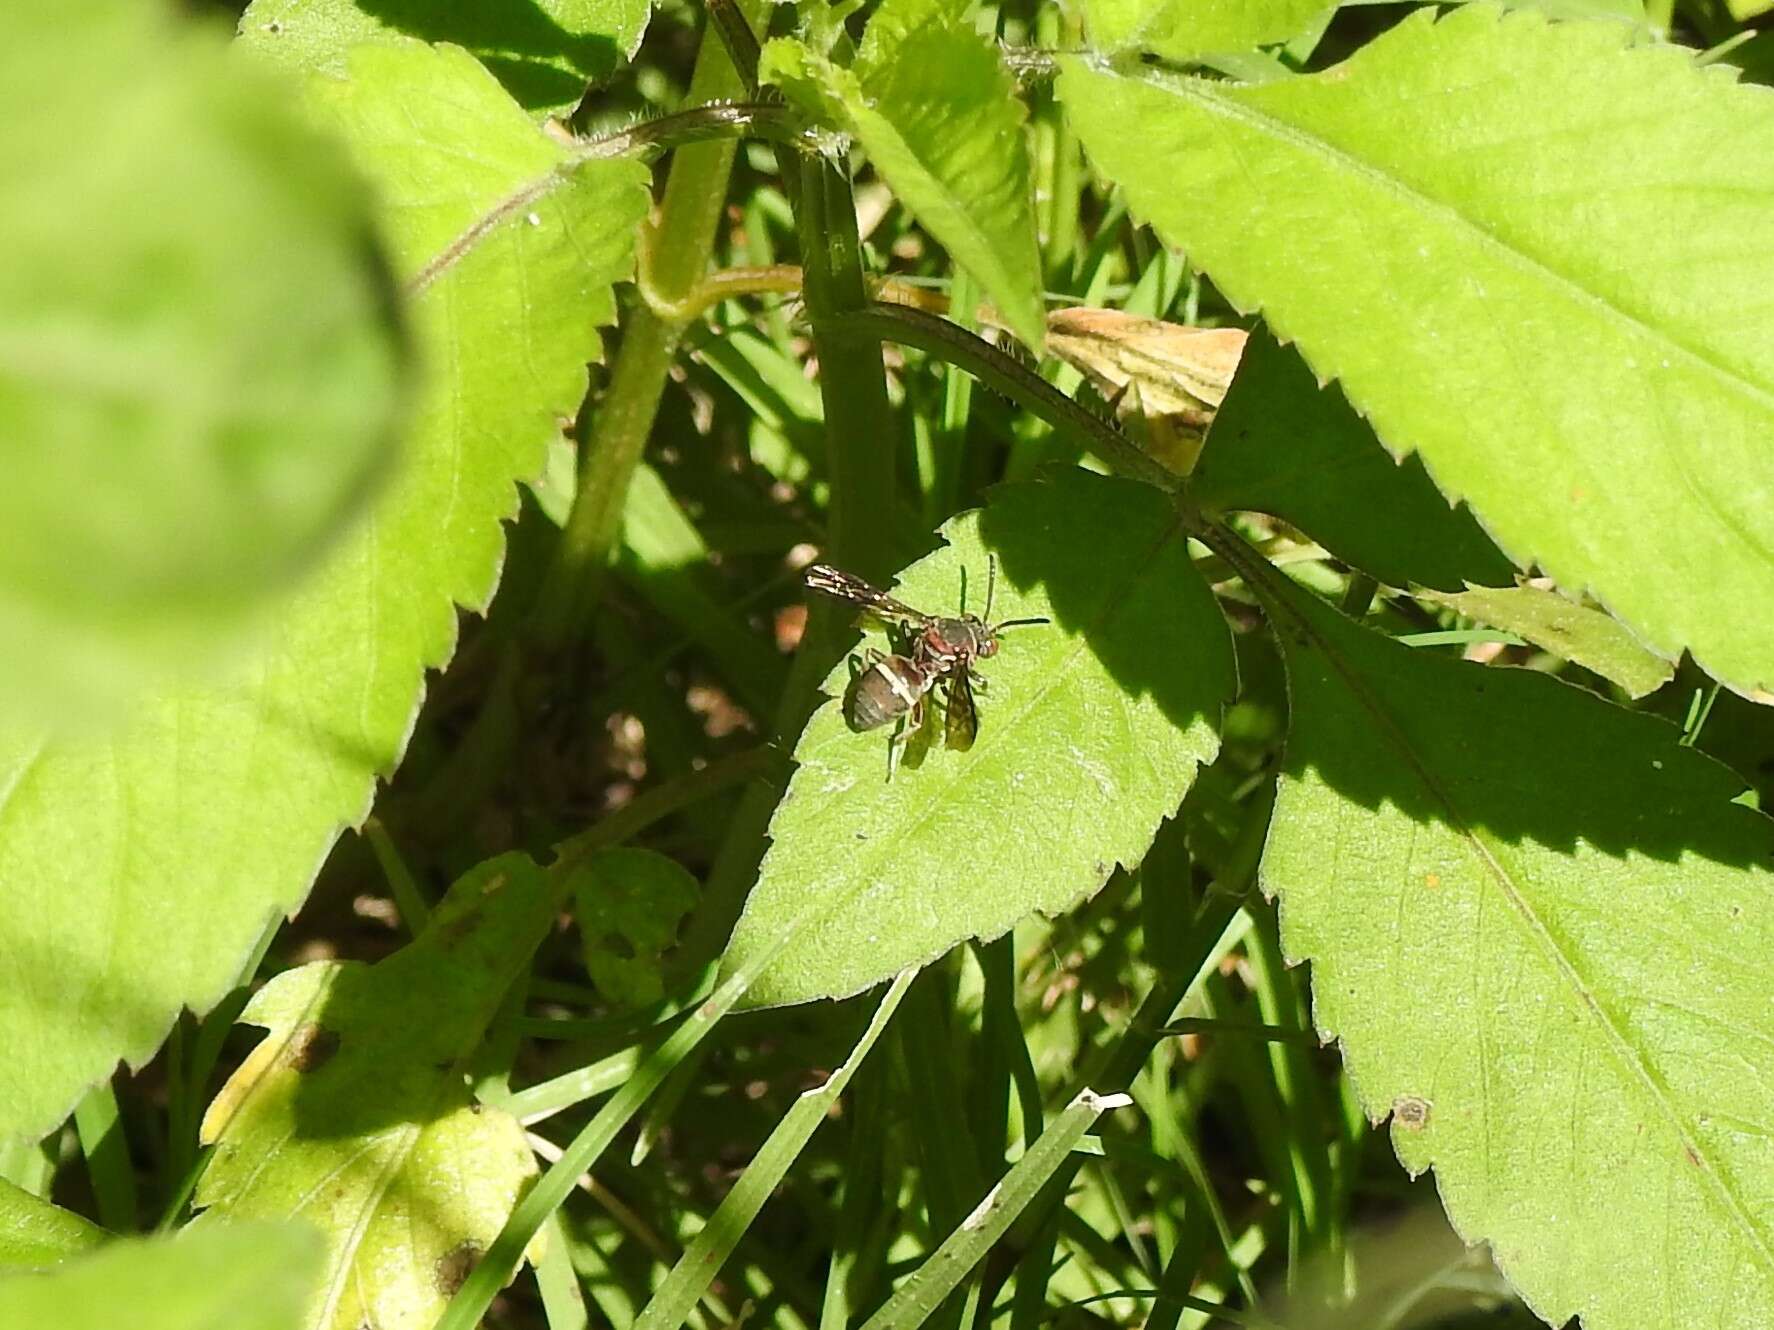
(355, 1112)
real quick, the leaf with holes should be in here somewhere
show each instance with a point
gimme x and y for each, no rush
(141, 869)
(1531, 253)
(1090, 731)
(1546, 960)
(355, 1113)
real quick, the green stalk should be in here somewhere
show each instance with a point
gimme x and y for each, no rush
(860, 448)
(675, 254)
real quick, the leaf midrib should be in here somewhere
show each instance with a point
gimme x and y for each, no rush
(489, 221)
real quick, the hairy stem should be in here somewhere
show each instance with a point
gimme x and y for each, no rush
(675, 252)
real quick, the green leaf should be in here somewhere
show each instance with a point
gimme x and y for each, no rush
(1528, 252)
(201, 367)
(233, 1277)
(543, 51)
(1538, 923)
(1282, 445)
(355, 1112)
(1090, 730)
(932, 104)
(1182, 28)
(140, 870)
(1576, 632)
(35, 1233)
(628, 903)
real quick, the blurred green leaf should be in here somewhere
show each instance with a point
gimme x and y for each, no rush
(225, 1277)
(201, 366)
(35, 1233)
(139, 871)
(1282, 445)
(543, 51)
(1090, 731)
(355, 1112)
(931, 103)
(1182, 28)
(1531, 253)
(628, 903)
(1593, 639)
(1538, 923)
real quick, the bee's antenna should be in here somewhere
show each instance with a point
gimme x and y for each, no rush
(991, 584)
(1017, 623)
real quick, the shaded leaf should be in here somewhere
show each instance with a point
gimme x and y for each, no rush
(628, 903)
(1090, 730)
(930, 101)
(1531, 253)
(1182, 28)
(543, 51)
(225, 1277)
(35, 1233)
(1535, 921)
(1282, 445)
(1576, 632)
(355, 1112)
(200, 361)
(140, 871)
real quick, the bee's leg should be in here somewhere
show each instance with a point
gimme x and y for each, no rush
(894, 745)
(868, 661)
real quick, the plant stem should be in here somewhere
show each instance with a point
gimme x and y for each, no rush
(859, 448)
(675, 253)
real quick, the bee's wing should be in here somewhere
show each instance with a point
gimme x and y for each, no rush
(962, 725)
(840, 585)
(922, 736)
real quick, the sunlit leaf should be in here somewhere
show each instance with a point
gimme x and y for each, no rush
(225, 1277)
(140, 871)
(200, 361)
(1090, 731)
(1537, 923)
(1578, 633)
(543, 51)
(1182, 28)
(1530, 252)
(933, 106)
(355, 1113)
(35, 1233)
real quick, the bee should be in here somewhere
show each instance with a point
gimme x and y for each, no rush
(933, 652)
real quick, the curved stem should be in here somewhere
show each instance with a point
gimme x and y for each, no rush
(775, 121)
(1007, 375)
(781, 279)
